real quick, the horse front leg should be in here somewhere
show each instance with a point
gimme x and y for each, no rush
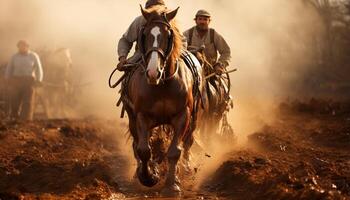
(133, 132)
(143, 150)
(180, 124)
(187, 144)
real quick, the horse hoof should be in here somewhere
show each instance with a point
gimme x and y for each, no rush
(171, 191)
(148, 180)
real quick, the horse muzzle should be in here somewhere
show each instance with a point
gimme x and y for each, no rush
(153, 77)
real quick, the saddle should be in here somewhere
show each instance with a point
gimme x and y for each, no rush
(193, 64)
(195, 67)
(200, 98)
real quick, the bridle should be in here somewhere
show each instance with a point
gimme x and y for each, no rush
(164, 54)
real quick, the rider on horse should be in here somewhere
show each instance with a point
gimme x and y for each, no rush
(201, 36)
(163, 89)
(210, 43)
(131, 35)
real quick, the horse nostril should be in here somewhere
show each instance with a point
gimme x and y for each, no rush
(148, 74)
(152, 74)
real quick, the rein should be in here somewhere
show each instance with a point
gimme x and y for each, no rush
(172, 75)
(164, 54)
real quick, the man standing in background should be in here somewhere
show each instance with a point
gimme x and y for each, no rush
(23, 71)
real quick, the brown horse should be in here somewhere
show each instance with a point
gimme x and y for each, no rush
(161, 93)
(214, 117)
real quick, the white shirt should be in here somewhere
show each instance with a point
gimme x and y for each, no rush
(25, 65)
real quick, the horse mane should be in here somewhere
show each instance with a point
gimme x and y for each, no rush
(158, 10)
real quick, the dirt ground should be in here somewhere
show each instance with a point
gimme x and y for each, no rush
(304, 154)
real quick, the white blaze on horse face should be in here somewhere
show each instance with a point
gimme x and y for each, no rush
(153, 63)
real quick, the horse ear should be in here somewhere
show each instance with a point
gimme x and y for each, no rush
(144, 13)
(171, 15)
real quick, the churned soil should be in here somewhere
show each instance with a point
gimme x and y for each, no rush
(59, 159)
(304, 154)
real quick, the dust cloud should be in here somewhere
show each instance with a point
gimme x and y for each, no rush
(259, 33)
(269, 43)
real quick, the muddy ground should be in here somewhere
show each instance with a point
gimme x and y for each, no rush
(304, 154)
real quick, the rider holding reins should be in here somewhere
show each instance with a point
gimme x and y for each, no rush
(198, 36)
(202, 36)
(131, 35)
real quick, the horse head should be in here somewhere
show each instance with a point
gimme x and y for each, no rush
(156, 42)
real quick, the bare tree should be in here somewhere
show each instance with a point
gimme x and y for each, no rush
(325, 10)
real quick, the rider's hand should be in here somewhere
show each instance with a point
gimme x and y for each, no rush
(219, 68)
(121, 64)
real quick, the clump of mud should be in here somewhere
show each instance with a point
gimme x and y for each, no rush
(63, 159)
(303, 155)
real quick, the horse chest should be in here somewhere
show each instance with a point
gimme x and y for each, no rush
(164, 102)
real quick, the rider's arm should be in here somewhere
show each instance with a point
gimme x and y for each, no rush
(184, 41)
(223, 48)
(186, 34)
(129, 37)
